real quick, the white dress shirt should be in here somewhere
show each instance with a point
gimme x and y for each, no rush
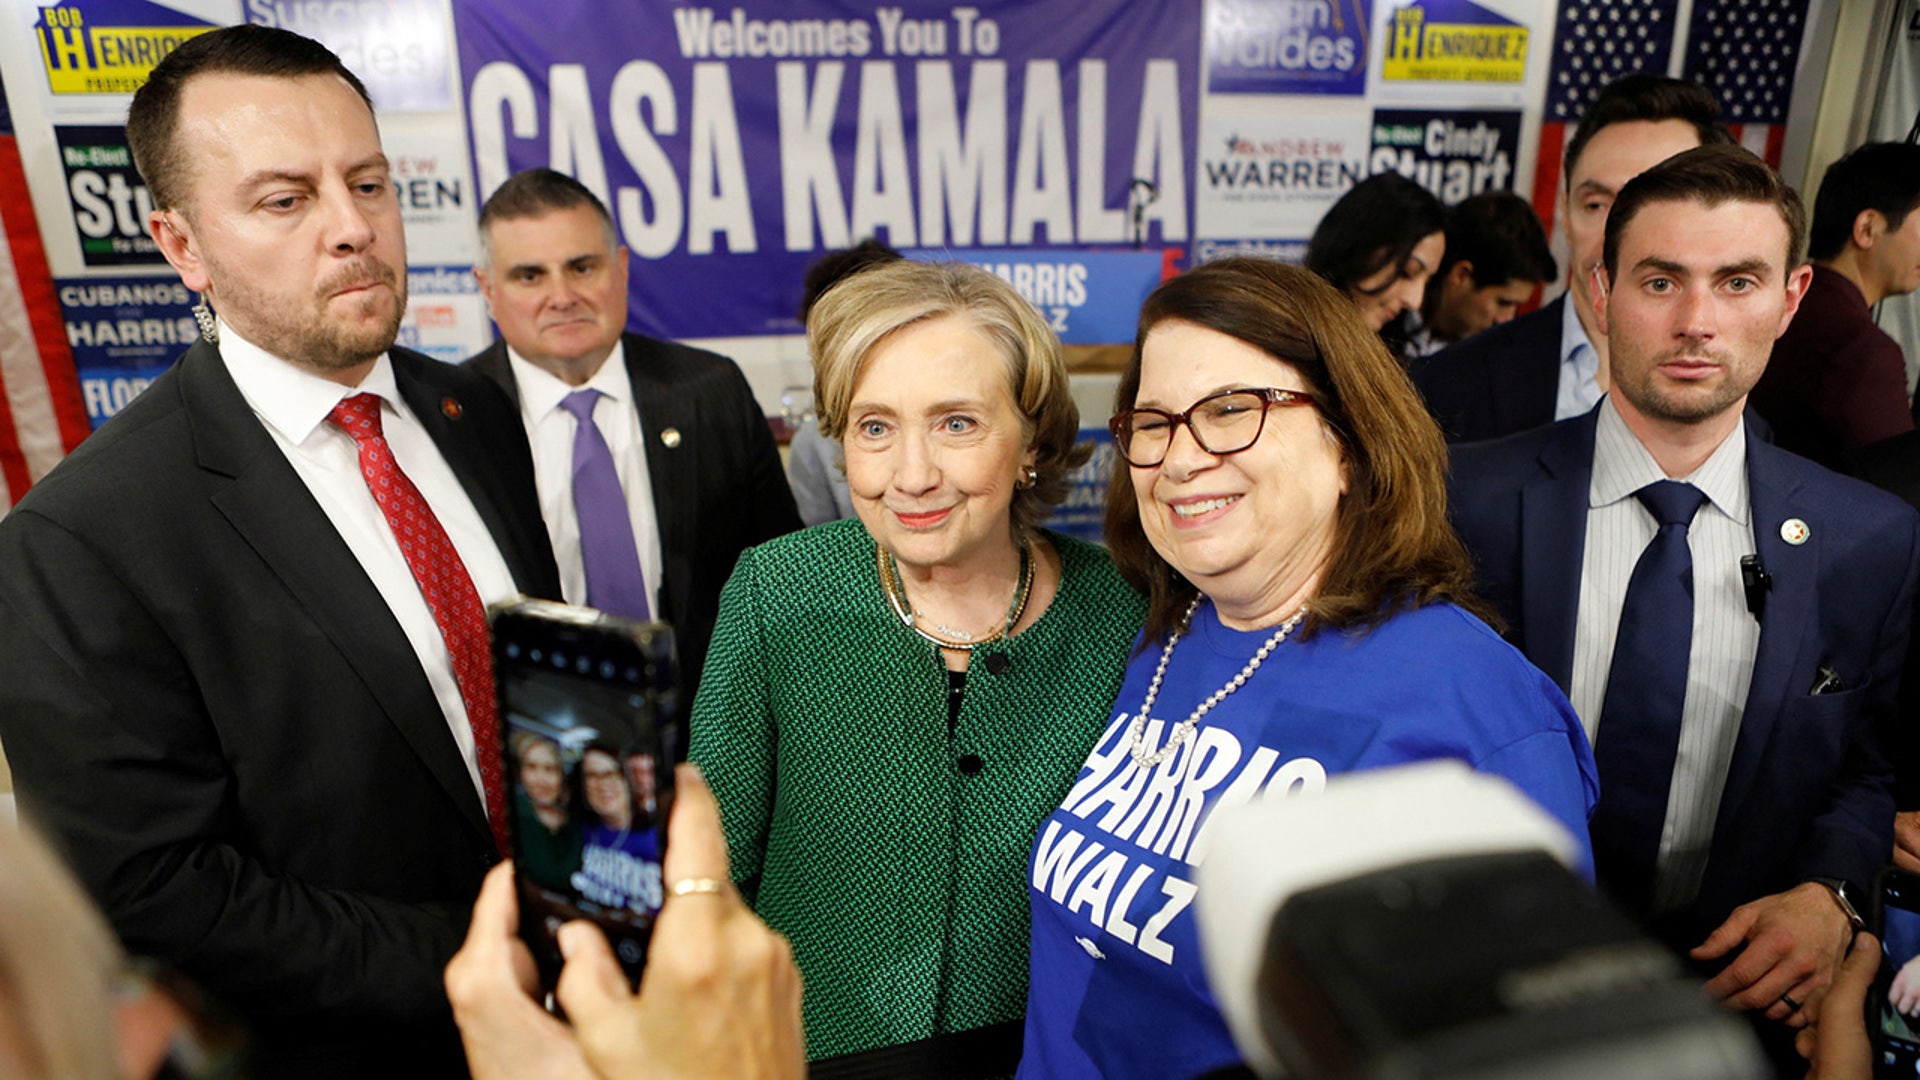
(550, 430)
(1725, 633)
(293, 403)
(1579, 386)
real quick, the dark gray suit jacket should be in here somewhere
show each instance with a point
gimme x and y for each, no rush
(717, 491)
(1503, 380)
(209, 706)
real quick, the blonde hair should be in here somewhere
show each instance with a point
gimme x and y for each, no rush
(58, 964)
(855, 316)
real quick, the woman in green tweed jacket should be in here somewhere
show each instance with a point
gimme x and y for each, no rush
(892, 704)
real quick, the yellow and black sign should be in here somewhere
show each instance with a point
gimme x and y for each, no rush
(1436, 42)
(108, 48)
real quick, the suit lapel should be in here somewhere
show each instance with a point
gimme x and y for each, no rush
(1553, 525)
(1791, 609)
(670, 468)
(269, 506)
(492, 362)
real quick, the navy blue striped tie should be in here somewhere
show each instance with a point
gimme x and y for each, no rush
(1639, 733)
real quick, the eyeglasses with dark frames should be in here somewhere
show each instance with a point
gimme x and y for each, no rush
(1223, 423)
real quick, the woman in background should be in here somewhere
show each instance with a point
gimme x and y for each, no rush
(619, 849)
(893, 702)
(549, 837)
(1379, 244)
(1280, 496)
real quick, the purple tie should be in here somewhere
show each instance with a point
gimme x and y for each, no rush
(614, 581)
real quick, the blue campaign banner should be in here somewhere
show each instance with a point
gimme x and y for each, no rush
(736, 144)
(1288, 46)
(124, 332)
(1088, 297)
(1083, 512)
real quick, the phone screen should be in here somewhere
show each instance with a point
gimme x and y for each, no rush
(1896, 1000)
(587, 703)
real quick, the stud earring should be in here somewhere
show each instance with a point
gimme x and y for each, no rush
(1029, 476)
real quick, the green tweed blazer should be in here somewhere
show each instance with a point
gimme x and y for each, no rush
(889, 849)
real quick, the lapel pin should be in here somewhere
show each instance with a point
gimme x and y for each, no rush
(1794, 531)
(670, 438)
(450, 408)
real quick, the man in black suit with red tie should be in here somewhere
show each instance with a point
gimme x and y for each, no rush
(247, 681)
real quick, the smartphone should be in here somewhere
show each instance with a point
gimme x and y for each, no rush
(589, 710)
(1893, 1009)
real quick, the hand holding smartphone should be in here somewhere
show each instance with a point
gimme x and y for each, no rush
(1893, 1009)
(588, 703)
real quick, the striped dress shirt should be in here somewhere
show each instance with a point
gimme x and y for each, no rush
(1725, 634)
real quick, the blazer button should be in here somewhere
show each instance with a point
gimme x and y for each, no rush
(998, 663)
(970, 764)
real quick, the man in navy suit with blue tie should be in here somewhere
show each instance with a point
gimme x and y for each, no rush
(1728, 619)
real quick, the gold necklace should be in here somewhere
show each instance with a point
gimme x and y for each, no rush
(896, 591)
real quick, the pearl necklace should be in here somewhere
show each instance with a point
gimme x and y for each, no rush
(1182, 731)
(903, 609)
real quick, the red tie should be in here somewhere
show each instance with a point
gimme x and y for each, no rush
(444, 584)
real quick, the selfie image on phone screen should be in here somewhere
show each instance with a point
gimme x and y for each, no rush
(1897, 1027)
(589, 754)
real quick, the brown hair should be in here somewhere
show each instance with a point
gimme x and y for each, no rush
(154, 117)
(855, 316)
(1393, 547)
(1710, 176)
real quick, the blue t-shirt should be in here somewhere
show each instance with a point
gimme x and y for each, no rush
(1117, 986)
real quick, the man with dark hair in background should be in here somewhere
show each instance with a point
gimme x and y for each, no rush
(248, 686)
(1551, 364)
(655, 465)
(1728, 619)
(1497, 255)
(1836, 381)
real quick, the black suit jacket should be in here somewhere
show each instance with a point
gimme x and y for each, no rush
(1503, 380)
(212, 710)
(1807, 790)
(717, 491)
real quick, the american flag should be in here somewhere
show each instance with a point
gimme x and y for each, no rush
(1745, 51)
(42, 415)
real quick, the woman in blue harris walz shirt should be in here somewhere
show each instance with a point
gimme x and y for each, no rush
(1280, 497)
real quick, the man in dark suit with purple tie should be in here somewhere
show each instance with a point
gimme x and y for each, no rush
(680, 441)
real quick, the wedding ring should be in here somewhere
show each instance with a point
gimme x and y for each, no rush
(692, 885)
(1787, 1000)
